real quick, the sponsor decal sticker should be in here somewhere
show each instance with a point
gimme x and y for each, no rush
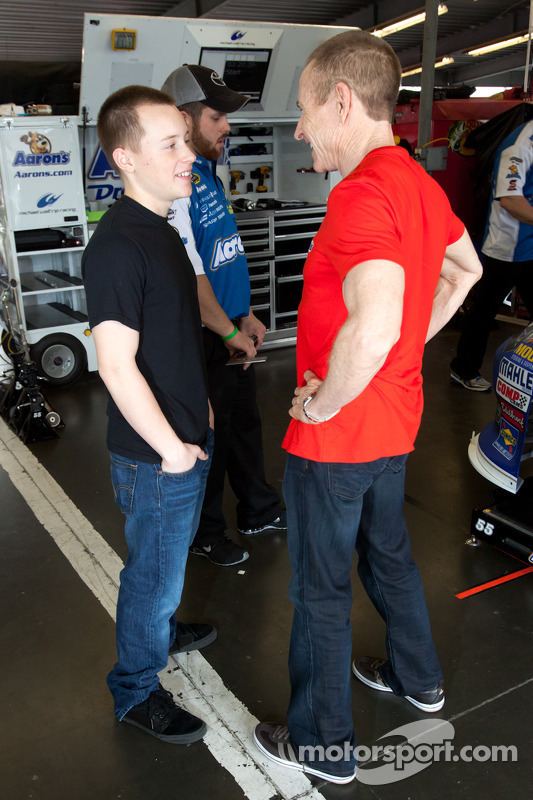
(513, 416)
(512, 395)
(517, 376)
(48, 200)
(41, 152)
(507, 439)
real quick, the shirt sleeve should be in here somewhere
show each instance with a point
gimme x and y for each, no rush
(457, 228)
(515, 162)
(180, 218)
(114, 273)
(362, 226)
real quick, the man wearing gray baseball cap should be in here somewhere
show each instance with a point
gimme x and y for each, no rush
(193, 83)
(208, 230)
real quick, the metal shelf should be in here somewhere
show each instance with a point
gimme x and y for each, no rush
(45, 281)
(265, 158)
(21, 253)
(50, 316)
(250, 140)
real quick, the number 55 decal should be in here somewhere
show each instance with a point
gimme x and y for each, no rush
(485, 527)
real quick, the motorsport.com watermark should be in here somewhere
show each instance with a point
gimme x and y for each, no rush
(403, 752)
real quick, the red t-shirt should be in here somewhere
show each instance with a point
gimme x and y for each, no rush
(387, 208)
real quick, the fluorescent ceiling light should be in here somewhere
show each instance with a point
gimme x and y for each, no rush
(501, 45)
(442, 63)
(407, 22)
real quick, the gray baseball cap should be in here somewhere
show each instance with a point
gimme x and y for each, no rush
(192, 82)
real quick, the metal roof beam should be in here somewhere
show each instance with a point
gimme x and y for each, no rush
(379, 12)
(496, 29)
(193, 8)
(489, 68)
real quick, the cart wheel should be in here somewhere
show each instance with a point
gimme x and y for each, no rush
(9, 345)
(60, 358)
(53, 419)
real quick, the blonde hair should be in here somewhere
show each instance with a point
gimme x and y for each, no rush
(367, 64)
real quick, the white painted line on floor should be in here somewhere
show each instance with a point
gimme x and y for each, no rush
(491, 700)
(230, 724)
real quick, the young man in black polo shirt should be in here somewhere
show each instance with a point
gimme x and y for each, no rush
(143, 310)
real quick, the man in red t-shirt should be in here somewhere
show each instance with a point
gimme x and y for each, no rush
(388, 268)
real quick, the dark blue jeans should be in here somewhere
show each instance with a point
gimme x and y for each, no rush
(162, 512)
(332, 510)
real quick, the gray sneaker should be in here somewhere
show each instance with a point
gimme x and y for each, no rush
(367, 670)
(477, 384)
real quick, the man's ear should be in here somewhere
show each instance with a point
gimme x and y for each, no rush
(343, 99)
(187, 117)
(123, 160)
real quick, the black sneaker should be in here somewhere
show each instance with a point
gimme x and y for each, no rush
(159, 716)
(192, 637)
(367, 669)
(274, 742)
(224, 553)
(278, 524)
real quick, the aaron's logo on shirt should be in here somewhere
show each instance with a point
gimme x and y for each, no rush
(226, 250)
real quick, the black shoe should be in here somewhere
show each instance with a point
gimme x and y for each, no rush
(277, 524)
(224, 553)
(274, 742)
(367, 669)
(159, 716)
(192, 637)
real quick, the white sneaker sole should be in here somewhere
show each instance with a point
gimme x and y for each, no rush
(307, 770)
(429, 709)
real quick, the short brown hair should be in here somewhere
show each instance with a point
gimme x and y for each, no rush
(366, 63)
(118, 121)
(194, 108)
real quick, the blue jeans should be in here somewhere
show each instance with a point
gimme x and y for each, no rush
(162, 511)
(332, 510)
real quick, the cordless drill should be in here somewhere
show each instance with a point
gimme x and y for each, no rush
(261, 174)
(235, 176)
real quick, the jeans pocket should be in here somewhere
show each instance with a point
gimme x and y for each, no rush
(179, 476)
(123, 477)
(349, 481)
(396, 463)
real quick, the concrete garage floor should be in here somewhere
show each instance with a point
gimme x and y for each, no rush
(57, 640)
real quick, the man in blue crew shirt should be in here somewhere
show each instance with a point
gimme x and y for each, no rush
(208, 229)
(507, 254)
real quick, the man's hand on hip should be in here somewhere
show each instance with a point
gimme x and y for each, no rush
(301, 393)
(184, 459)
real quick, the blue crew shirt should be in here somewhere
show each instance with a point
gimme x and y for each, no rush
(218, 241)
(506, 238)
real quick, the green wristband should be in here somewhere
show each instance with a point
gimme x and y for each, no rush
(234, 332)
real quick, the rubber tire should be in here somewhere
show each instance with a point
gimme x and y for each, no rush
(38, 353)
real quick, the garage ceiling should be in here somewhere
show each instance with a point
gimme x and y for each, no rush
(44, 31)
